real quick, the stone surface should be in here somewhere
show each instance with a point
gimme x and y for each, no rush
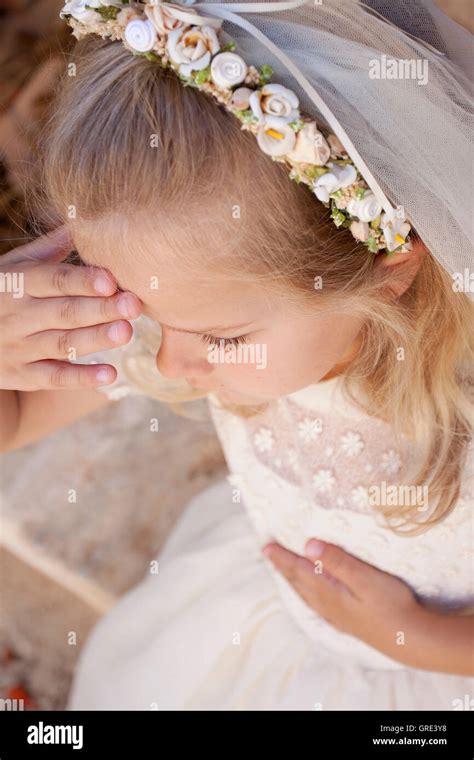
(103, 494)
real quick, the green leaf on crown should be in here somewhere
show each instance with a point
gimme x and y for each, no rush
(293, 174)
(108, 12)
(150, 56)
(246, 116)
(297, 124)
(266, 73)
(372, 244)
(228, 47)
(338, 217)
(203, 75)
(187, 81)
(315, 172)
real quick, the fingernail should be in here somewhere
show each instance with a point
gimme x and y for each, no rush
(314, 549)
(267, 551)
(103, 285)
(126, 305)
(117, 332)
(104, 376)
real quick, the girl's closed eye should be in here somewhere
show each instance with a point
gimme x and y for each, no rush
(213, 340)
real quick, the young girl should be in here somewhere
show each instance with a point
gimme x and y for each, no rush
(334, 346)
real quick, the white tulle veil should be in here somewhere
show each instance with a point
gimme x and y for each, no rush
(412, 133)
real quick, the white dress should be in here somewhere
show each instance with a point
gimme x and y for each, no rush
(217, 627)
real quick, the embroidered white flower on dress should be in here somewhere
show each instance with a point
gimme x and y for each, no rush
(360, 496)
(263, 439)
(228, 70)
(324, 480)
(352, 444)
(309, 429)
(337, 178)
(192, 47)
(391, 462)
(140, 35)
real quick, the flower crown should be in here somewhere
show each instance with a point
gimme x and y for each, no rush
(165, 33)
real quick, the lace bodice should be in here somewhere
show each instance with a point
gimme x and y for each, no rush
(304, 468)
(335, 456)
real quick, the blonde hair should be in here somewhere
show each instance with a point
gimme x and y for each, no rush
(97, 158)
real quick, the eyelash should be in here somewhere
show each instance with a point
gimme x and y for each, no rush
(214, 341)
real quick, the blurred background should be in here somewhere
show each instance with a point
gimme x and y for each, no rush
(63, 563)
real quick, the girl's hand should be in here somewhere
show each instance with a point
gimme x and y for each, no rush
(52, 312)
(353, 596)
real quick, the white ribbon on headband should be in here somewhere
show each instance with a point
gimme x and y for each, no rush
(229, 11)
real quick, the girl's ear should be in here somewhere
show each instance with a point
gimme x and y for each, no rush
(404, 267)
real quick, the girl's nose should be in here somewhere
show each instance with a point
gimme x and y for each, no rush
(178, 357)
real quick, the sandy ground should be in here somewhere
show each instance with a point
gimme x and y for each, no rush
(71, 557)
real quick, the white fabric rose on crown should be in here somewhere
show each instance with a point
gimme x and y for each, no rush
(79, 11)
(228, 70)
(366, 209)
(140, 35)
(360, 231)
(311, 146)
(337, 178)
(240, 98)
(191, 48)
(275, 107)
(163, 20)
(274, 100)
(126, 15)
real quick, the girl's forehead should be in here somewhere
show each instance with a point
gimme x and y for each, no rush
(179, 292)
(131, 252)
